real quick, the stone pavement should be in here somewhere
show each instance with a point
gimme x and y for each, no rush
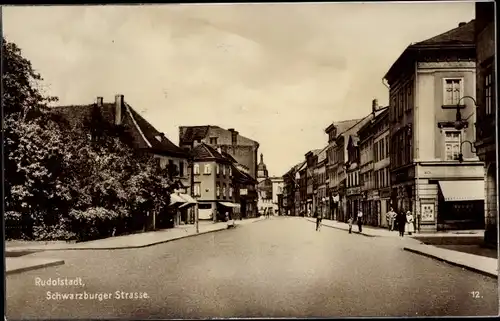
(24, 262)
(480, 264)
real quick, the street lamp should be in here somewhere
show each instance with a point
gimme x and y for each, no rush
(472, 149)
(459, 122)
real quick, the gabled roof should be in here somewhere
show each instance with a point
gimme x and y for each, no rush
(144, 133)
(460, 37)
(322, 155)
(206, 152)
(379, 114)
(193, 133)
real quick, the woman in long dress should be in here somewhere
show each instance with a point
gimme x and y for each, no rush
(409, 223)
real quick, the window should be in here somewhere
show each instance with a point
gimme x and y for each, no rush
(208, 169)
(224, 190)
(213, 140)
(387, 147)
(218, 190)
(382, 149)
(181, 168)
(197, 189)
(452, 91)
(230, 191)
(230, 171)
(452, 145)
(488, 101)
(196, 169)
(217, 169)
(224, 170)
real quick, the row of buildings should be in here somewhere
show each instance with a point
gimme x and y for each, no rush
(431, 151)
(215, 170)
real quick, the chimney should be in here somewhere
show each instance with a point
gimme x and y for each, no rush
(118, 109)
(234, 137)
(461, 24)
(374, 105)
(99, 101)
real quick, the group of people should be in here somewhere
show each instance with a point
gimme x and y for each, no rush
(401, 220)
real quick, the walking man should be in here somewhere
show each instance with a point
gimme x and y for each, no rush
(360, 221)
(401, 218)
(318, 221)
(349, 221)
(391, 217)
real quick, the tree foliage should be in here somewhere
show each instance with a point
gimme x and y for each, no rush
(59, 183)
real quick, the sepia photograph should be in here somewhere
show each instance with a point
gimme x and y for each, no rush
(250, 160)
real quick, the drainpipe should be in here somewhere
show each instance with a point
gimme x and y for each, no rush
(415, 146)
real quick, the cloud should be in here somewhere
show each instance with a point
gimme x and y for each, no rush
(278, 73)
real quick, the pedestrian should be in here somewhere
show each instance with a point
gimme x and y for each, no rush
(409, 222)
(390, 217)
(360, 221)
(318, 221)
(349, 221)
(401, 219)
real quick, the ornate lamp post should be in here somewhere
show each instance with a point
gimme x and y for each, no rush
(459, 122)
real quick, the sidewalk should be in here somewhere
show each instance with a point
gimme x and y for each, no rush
(476, 263)
(131, 241)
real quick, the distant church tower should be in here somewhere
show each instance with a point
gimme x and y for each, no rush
(262, 173)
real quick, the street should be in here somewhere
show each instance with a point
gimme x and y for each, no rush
(279, 267)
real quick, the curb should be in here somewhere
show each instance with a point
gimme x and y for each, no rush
(470, 268)
(124, 247)
(343, 229)
(35, 267)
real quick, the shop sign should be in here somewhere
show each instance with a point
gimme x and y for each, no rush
(427, 212)
(353, 191)
(243, 191)
(385, 193)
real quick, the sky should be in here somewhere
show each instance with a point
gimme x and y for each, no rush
(277, 73)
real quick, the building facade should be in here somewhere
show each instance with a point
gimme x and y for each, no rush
(381, 165)
(335, 163)
(320, 193)
(277, 194)
(213, 183)
(486, 111)
(373, 162)
(428, 83)
(353, 191)
(240, 148)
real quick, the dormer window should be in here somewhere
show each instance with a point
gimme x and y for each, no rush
(213, 140)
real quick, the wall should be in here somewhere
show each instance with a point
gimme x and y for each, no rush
(245, 155)
(207, 182)
(429, 102)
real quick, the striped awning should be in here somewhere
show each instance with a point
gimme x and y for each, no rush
(467, 190)
(229, 204)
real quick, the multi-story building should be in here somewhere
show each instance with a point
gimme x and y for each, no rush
(311, 162)
(372, 151)
(381, 165)
(353, 189)
(344, 178)
(213, 182)
(301, 204)
(144, 137)
(431, 118)
(245, 190)
(242, 149)
(291, 192)
(487, 112)
(320, 192)
(334, 162)
(277, 193)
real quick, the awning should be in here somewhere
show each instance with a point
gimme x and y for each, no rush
(454, 191)
(229, 204)
(189, 200)
(176, 198)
